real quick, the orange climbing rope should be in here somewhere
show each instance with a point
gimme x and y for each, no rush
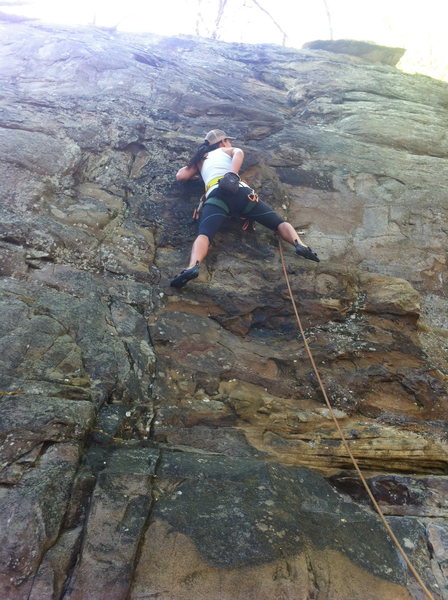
(344, 439)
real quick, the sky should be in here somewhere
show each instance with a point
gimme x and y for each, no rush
(420, 27)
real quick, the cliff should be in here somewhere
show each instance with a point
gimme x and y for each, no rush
(175, 445)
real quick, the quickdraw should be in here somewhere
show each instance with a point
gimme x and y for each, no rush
(247, 225)
(253, 196)
(198, 208)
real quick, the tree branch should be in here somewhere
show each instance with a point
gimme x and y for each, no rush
(272, 19)
(329, 18)
(222, 5)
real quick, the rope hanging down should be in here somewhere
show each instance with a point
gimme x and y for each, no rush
(344, 439)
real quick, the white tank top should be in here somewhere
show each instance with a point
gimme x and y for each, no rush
(216, 164)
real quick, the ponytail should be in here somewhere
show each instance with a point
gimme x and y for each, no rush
(203, 149)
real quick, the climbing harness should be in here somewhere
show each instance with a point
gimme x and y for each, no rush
(344, 439)
(212, 182)
(252, 196)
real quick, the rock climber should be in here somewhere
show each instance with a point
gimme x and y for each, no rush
(219, 163)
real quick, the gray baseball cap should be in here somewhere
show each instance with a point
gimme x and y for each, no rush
(217, 135)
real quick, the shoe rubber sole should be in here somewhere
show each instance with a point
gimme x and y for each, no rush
(185, 276)
(306, 252)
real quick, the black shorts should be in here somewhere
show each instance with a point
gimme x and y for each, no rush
(212, 217)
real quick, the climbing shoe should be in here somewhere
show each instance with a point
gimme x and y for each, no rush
(185, 276)
(306, 252)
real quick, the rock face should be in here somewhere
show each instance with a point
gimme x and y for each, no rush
(364, 50)
(175, 445)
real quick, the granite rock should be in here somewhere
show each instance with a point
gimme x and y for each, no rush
(158, 443)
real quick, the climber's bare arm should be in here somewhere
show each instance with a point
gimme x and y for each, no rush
(237, 156)
(186, 173)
